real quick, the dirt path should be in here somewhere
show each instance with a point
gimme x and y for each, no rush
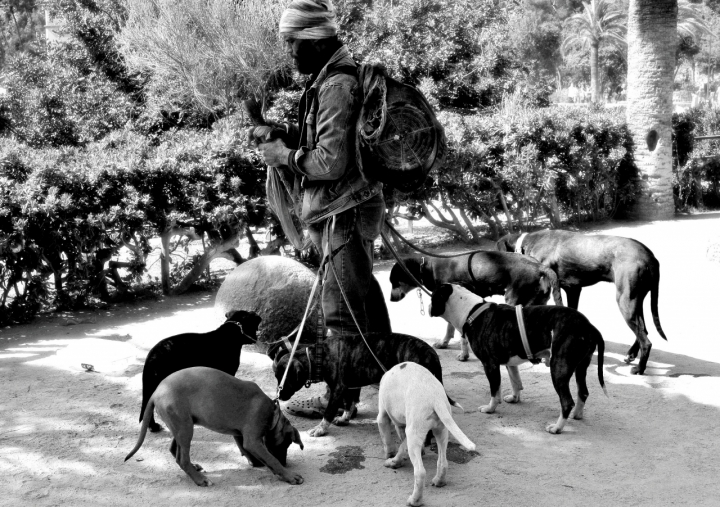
(656, 440)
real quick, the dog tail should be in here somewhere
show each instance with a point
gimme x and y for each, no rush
(654, 293)
(601, 357)
(446, 417)
(554, 285)
(143, 428)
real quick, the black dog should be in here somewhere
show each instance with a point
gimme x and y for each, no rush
(522, 280)
(348, 363)
(561, 336)
(580, 261)
(219, 349)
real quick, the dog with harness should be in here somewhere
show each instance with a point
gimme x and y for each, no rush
(502, 335)
(581, 260)
(352, 361)
(522, 280)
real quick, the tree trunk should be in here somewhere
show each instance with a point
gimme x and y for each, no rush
(652, 32)
(594, 73)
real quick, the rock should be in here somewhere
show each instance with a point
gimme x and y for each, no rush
(277, 289)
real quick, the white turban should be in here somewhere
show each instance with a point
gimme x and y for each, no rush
(309, 19)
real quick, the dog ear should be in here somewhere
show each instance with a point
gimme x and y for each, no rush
(296, 439)
(250, 321)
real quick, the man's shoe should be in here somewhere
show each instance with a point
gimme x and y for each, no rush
(313, 408)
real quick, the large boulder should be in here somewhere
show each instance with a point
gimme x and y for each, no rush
(277, 289)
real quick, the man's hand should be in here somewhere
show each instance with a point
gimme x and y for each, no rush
(275, 153)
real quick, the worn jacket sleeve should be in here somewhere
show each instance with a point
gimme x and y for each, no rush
(335, 138)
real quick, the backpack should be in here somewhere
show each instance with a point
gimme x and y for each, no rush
(399, 139)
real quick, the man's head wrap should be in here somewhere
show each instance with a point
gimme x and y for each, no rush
(309, 19)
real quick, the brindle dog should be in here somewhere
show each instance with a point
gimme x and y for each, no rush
(350, 364)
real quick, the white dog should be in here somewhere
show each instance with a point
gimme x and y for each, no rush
(415, 401)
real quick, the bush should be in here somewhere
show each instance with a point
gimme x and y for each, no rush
(57, 98)
(696, 163)
(533, 166)
(65, 213)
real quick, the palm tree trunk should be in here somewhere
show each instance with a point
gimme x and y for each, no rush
(652, 32)
(594, 72)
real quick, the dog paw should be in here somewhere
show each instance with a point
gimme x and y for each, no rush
(393, 463)
(635, 370)
(487, 409)
(553, 428)
(414, 501)
(438, 483)
(204, 483)
(462, 356)
(440, 344)
(318, 431)
(629, 358)
(340, 421)
(293, 479)
(198, 467)
(511, 398)
(577, 414)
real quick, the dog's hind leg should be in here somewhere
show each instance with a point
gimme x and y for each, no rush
(561, 380)
(414, 446)
(632, 311)
(441, 438)
(385, 428)
(183, 433)
(402, 452)
(582, 389)
(173, 451)
(493, 375)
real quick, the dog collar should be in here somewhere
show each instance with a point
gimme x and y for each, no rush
(475, 313)
(523, 333)
(518, 244)
(240, 326)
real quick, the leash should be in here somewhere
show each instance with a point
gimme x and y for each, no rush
(523, 333)
(394, 253)
(425, 252)
(299, 334)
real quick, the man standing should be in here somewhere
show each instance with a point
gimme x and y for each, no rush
(341, 207)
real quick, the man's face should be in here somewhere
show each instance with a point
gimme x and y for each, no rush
(304, 54)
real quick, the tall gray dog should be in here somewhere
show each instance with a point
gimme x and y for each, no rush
(581, 260)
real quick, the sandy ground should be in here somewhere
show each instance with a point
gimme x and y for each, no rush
(655, 441)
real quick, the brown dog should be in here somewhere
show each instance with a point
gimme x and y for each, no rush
(222, 403)
(582, 260)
